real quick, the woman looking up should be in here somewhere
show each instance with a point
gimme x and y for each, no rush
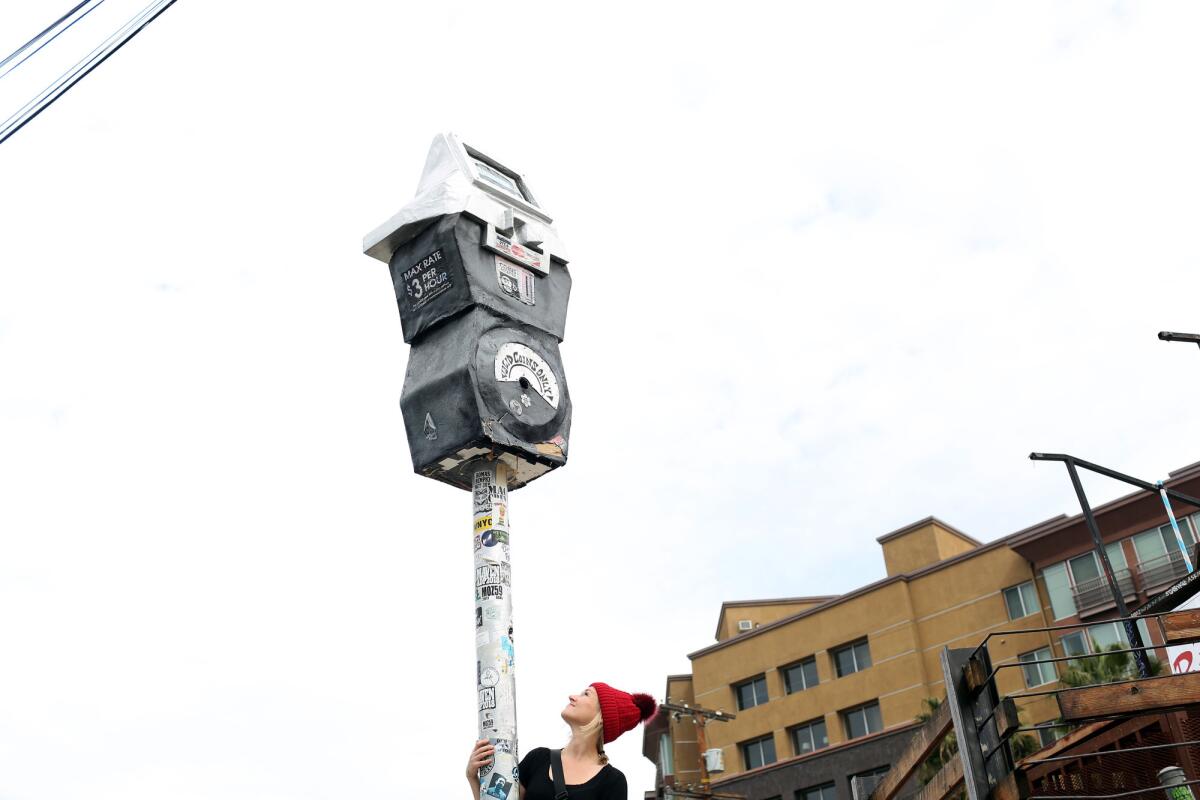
(596, 717)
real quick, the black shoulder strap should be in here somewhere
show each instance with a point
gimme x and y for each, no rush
(560, 786)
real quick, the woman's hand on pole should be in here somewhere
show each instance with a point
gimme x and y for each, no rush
(482, 755)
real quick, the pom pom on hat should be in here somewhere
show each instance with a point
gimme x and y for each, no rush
(646, 704)
(622, 711)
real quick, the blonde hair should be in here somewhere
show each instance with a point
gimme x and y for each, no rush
(596, 726)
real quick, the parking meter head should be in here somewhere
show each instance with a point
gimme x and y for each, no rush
(482, 286)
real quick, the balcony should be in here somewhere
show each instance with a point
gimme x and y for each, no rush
(1094, 596)
(1159, 573)
(1148, 577)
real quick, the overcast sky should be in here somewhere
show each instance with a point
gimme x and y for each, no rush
(837, 267)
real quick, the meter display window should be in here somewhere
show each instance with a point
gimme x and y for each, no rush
(493, 176)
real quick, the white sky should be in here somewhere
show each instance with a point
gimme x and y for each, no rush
(837, 267)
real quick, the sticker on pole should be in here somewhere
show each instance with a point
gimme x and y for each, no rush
(516, 282)
(516, 362)
(487, 493)
(499, 788)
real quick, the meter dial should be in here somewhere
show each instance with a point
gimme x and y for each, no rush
(519, 363)
(526, 390)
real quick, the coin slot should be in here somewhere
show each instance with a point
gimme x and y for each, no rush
(524, 383)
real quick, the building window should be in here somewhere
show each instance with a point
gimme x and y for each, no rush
(852, 658)
(824, 792)
(1058, 587)
(1021, 600)
(1159, 560)
(666, 754)
(1074, 644)
(1037, 674)
(863, 783)
(1066, 579)
(1086, 570)
(1107, 635)
(801, 676)
(751, 693)
(862, 720)
(878, 772)
(759, 752)
(1100, 637)
(1048, 736)
(809, 737)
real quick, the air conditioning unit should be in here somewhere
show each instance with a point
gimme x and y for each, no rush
(745, 625)
(714, 760)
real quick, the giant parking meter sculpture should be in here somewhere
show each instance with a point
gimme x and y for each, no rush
(482, 285)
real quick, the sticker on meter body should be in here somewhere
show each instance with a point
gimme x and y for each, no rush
(426, 279)
(516, 282)
(501, 244)
(515, 361)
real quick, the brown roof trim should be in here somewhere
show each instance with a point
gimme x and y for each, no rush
(1062, 521)
(1179, 473)
(770, 626)
(824, 751)
(921, 523)
(1003, 541)
(777, 601)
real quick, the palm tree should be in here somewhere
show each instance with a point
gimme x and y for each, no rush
(1107, 666)
(946, 750)
(1022, 745)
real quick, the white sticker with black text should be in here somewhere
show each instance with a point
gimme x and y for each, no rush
(515, 281)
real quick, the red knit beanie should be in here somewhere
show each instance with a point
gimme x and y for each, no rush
(622, 711)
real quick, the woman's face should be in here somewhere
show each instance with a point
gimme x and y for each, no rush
(581, 708)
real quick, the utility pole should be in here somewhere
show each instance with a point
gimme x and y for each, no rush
(700, 717)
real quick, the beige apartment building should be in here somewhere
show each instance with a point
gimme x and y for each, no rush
(827, 688)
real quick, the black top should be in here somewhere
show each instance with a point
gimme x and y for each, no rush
(607, 784)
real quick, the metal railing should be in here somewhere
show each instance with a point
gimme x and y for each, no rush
(1164, 570)
(1146, 577)
(1095, 595)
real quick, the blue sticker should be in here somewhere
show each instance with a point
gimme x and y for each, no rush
(507, 646)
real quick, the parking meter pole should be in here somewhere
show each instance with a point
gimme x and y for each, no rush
(494, 674)
(482, 285)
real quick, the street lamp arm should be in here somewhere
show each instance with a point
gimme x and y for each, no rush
(1110, 473)
(1172, 336)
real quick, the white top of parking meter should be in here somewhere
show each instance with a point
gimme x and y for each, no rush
(458, 178)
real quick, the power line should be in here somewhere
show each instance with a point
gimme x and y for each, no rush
(64, 82)
(51, 39)
(49, 28)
